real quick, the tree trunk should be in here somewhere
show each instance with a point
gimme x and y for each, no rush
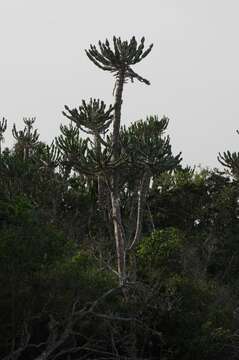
(142, 193)
(117, 116)
(119, 237)
(115, 191)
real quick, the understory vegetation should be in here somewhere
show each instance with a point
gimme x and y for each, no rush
(109, 247)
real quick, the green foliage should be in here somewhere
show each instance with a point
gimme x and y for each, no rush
(92, 118)
(230, 160)
(194, 305)
(146, 147)
(26, 242)
(162, 250)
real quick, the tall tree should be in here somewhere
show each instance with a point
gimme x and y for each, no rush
(141, 148)
(119, 61)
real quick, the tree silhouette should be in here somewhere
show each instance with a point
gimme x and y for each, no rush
(26, 138)
(139, 151)
(230, 160)
(119, 60)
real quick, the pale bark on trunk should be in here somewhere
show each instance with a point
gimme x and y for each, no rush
(115, 191)
(99, 179)
(119, 234)
(117, 117)
(142, 193)
(119, 238)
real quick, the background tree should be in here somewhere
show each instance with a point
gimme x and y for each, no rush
(26, 138)
(3, 128)
(230, 161)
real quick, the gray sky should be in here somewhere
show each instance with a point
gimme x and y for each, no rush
(193, 68)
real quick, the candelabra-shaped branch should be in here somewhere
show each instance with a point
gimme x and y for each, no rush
(119, 59)
(26, 138)
(230, 160)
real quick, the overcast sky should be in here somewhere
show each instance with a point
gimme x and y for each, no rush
(193, 67)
